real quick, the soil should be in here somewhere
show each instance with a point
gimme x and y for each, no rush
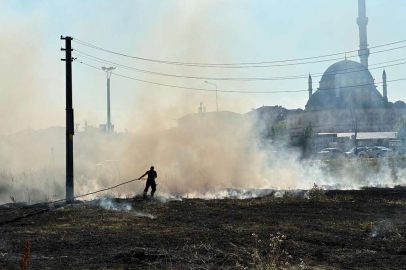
(362, 229)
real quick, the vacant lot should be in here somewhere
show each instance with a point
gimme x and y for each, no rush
(346, 230)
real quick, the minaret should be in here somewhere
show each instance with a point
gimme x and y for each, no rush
(385, 87)
(310, 86)
(363, 39)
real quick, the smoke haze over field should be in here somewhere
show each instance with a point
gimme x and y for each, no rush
(206, 160)
(24, 101)
(198, 161)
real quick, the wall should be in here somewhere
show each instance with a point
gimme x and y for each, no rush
(341, 121)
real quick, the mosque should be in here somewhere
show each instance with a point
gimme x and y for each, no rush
(347, 99)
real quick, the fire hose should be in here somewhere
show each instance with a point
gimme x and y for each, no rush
(79, 196)
(61, 200)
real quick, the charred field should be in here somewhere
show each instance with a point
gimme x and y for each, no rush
(363, 229)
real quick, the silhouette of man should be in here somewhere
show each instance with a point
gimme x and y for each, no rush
(150, 181)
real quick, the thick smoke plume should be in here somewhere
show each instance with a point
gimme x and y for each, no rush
(212, 155)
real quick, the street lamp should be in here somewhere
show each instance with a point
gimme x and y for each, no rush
(217, 105)
(108, 72)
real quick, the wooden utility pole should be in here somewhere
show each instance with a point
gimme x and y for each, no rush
(70, 131)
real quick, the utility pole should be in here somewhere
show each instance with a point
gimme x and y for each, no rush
(354, 121)
(69, 120)
(108, 75)
(217, 105)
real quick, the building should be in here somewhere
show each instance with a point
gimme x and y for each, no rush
(347, 99)
(210, 122)
(259, 120)
(268, 114)
(263, 118)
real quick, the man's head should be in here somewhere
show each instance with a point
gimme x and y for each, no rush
(152, 168)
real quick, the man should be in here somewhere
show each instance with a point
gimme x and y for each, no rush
(150, 181)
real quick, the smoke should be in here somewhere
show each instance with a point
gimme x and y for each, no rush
(26, 91)
(212, 155)
(383, 227)
(109, 204)
(188, 161)
(141, 214)
(208, 155)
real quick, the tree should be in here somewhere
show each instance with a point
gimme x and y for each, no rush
(278, 132)
(305, 140)
(400, 127)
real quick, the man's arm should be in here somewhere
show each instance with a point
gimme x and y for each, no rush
(142, 176)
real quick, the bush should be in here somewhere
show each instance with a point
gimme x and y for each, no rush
(316, 194)
(275, 258)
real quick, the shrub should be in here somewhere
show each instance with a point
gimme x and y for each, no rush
(316, 194)
(276, 257)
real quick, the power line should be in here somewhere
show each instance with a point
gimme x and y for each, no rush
(231, 91)
(239, 65)
(303, 63)
(293, 77)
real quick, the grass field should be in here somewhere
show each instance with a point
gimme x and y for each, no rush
(363, 229)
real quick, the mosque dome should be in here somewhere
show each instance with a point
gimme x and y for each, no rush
(399, 105)
(346, 84)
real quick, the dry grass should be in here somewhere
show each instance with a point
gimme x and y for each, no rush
(217, 234)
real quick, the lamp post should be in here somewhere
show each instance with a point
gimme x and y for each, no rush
(108, 75)
(217, 105)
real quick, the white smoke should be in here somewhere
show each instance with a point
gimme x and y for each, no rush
(109, 204)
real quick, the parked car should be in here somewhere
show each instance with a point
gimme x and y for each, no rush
(330, 153)
(356, 152)
(378, 152)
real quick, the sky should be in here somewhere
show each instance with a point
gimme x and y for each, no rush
(32, 94)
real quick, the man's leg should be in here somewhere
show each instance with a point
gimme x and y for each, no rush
(146, 188)
(153, 188)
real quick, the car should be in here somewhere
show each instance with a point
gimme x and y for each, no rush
(356, 152)
(378, 152)
(330, 154)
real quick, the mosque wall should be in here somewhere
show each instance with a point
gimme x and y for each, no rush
(344, 120)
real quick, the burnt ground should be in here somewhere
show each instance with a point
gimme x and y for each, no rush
(363, 229)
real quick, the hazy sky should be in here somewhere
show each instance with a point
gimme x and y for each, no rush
(33, 83)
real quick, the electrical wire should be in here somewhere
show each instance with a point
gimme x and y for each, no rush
(231, 91)
(306, 63)
(239, 65)
(293, 77)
